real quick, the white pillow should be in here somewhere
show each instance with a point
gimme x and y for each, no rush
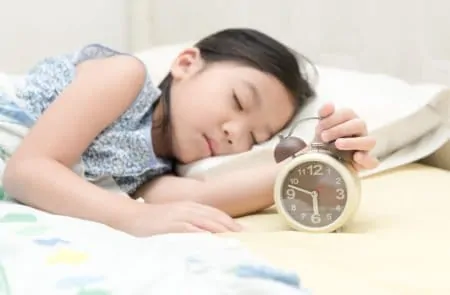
(397, 114)
(159, 59)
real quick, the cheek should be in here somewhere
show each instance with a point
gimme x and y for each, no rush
(211, 113)
(209, 104)
(201, 101)
(197, 112)
(186, 103)
(279, 118)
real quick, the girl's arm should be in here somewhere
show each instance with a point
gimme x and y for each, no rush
(245, 191)
(38, 175)
(239, 193)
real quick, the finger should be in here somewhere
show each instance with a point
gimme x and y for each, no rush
(190, 228)
(358, 167)
(217, 216)
(209, 225)
(354, 127)
(365, 160)
(338, 117)
(364, 143)
(326, 110)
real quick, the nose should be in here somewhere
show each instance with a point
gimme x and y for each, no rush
(236, 136)
(227, 136)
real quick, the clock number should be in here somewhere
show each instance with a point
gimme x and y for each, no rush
(290, 193)
(338, 180)
(303, 216)
(338, 208)
(330, 216)
(293, 208)
(315, 170)
(340, 194)
(293, 180)
(315, 218)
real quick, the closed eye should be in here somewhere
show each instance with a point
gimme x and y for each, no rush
(241, 108)
(238, 103)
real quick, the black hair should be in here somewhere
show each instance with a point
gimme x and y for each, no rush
(255, 49)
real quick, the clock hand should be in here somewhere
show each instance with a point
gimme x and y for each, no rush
(315, 203)
(300, 189)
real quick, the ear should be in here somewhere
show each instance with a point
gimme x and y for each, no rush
(188, 62)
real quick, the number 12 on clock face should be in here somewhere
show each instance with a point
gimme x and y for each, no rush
(314, 169)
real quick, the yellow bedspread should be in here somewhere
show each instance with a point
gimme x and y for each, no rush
(398, 243)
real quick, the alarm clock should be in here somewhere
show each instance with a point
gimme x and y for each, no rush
(317, 190)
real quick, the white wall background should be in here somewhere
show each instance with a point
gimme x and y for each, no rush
(33, 29)
(404, 38)
(409, 39)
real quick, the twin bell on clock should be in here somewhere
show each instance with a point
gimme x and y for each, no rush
(317, 190)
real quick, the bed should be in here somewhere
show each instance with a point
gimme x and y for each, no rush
(398, 242)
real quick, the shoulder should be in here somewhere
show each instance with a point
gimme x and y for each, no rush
(103, 62)
(126, 76)
(122, 70)
(124, 62)
(92, 77)
(92, 64)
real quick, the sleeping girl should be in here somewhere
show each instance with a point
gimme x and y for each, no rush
(95, 117)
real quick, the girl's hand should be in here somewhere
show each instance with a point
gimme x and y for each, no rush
(349, 133)
(177, 217)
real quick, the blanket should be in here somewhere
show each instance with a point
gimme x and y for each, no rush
(41, 253)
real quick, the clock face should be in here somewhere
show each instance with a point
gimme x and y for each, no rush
(314, 194)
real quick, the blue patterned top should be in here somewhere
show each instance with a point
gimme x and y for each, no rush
(124, 150)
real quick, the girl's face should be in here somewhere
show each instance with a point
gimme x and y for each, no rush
(223, 108)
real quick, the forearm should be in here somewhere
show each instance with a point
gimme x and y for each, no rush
(48, 185)
(242, 192)
(238, 193)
